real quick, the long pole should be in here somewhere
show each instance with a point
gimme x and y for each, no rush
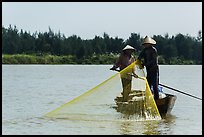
(171, 88)
(180, 91)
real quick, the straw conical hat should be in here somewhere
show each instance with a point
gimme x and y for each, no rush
(149, 40)
(129, 47)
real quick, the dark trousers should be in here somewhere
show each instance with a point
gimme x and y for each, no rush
(153, 80)
(126, 83)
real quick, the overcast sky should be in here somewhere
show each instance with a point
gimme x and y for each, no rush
(87, 19)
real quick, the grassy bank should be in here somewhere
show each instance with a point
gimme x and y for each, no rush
(53, 59)
(69, 59)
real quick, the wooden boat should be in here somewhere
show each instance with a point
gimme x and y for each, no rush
(166, 104)
(136, 102)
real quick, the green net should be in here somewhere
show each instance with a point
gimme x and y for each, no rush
(106, 102)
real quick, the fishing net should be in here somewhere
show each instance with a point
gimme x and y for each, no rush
(106, 102)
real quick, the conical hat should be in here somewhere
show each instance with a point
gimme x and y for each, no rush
(149, 40)
(129, 47)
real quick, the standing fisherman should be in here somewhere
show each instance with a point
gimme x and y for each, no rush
(149, 54)
(125, 59)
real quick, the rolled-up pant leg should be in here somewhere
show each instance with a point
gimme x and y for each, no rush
(126, 83)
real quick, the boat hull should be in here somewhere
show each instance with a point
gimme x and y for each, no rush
(164, 105)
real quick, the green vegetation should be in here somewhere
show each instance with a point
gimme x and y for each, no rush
(53, 59)
(21, 47)
(70, 59)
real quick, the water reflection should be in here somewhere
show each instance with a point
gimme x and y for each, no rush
(153, 127)
(167, 123)
(139, 128)
(125, 127)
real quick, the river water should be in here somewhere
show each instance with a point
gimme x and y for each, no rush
(31, 91)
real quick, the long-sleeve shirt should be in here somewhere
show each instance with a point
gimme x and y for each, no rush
(150, 57)
(123, 61)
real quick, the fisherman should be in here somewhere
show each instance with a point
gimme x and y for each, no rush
(150, 61)
(125, 59)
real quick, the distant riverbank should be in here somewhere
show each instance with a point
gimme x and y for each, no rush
(53, 59)
(70, 59)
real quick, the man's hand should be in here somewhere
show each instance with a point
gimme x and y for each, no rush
(141, 66)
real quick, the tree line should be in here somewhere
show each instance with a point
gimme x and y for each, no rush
(170, 49)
